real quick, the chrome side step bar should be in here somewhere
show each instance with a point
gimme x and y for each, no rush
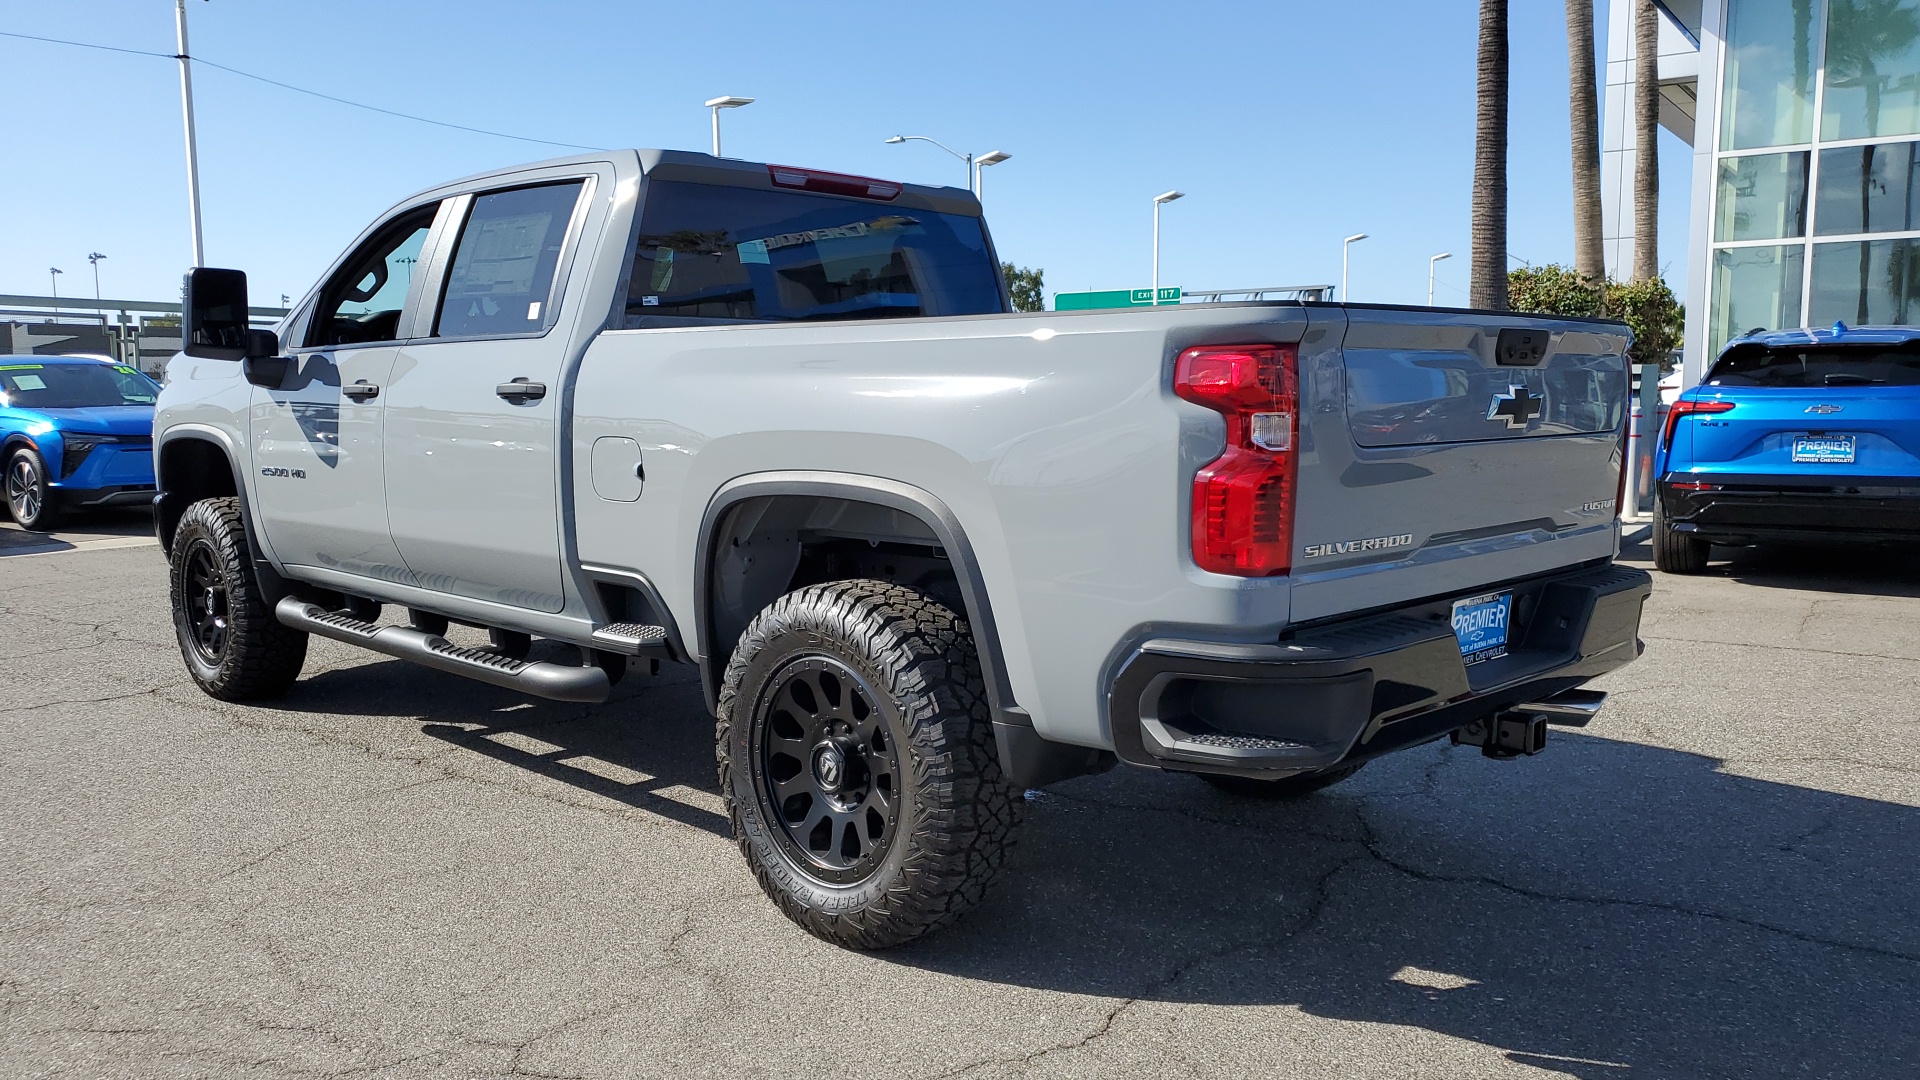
(558, 682)
(1568, 708)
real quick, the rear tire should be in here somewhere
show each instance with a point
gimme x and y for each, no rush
(858, 766)
(234, 647)
(30, 496)
(1676, 552)
(1291, 787)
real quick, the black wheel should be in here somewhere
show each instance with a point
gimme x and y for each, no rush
(1675, 552)
(1291, 787)
(234, 647)
(30, 497)
(858, 766)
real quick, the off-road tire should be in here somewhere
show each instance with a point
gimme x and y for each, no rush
(1676, 552)
(256, 656)
(955, 815)
(30, 498)
(1290, 787)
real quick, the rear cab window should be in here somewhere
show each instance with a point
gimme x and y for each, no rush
(736, 253)
(1817, 366)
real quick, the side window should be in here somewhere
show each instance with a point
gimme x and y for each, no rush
(501, 280)
(362, 302)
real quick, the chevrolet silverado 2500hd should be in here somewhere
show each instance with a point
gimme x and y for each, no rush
(780, 424)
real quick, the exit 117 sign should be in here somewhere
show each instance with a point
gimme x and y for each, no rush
(1113, 298)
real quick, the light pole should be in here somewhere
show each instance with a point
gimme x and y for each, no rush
(1346, 249)
(1160, 200)
(53, 275)
(991, 157)
(95, 258)
(193, 153)
(1431, 263)
(973, 174)
(716, 104)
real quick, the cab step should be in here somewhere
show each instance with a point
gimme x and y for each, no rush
(634, 639)
(558, 682)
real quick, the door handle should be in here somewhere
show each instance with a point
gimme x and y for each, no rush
(361, 391)
(521, 389)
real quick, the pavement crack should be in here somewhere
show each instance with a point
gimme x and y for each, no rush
(1372, 844)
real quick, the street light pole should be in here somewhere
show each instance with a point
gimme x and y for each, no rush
(53, 275)
(95, 258)
(973, 180)
(1346, 248)
(1431, 263)
(193, 153)
(1158, 201)
(716, 104)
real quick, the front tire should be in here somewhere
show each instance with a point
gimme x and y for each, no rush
(1676, 552)
(30, 497)
(234, 647)
(858, 766)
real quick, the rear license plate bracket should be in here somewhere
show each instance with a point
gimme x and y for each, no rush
(1481, 624)
(1823, 449)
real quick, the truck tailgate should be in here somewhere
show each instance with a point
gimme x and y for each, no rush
(1446, 450)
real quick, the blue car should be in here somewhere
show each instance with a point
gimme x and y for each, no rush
(75, 433)
(1797, 436)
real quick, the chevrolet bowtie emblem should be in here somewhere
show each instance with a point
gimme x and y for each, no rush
(1517, 406)
(1824, 410)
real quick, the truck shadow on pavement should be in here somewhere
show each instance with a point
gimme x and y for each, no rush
(1604, 910)
(652, 739)
(1863, 569)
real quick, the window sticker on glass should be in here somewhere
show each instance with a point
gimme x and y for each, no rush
(533, 311)
(29, 382)
(754, 253)
(21, 367)
(505, 261)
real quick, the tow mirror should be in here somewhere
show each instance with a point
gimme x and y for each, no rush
(216, 314)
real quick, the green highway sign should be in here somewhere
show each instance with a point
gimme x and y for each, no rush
(1113, 298)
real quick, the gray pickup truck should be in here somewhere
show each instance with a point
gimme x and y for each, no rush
(926, 553)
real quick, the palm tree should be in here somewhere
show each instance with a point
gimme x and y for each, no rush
(1646, 140)
(1489, 287)
(1583, 110)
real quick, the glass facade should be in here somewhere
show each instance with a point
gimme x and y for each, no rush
(1816, 219)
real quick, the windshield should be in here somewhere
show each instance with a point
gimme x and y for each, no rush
(738, 253)
(74, 386)
(1830, 366)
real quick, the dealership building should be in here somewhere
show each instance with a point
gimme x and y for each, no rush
(1804, 119)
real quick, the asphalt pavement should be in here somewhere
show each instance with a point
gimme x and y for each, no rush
(397, 873)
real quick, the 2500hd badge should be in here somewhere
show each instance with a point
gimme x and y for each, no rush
(1376, 543)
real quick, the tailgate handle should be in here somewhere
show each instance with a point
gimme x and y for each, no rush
(1519, 347)
(521, 390)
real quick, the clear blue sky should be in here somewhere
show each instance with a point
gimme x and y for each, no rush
(1288, 124)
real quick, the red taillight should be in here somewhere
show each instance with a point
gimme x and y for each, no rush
(1243, 499)
(1682, 408)
(860, 187)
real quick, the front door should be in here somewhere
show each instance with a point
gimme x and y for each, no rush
(473, 415)
(317, 437)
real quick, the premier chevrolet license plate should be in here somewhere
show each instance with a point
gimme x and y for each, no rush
(1823, 449)
(1480, 623)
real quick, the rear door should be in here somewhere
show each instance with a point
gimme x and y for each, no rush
(1808, 414)
(1445, 450)
(473, 420)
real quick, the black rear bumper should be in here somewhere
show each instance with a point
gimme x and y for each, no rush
(1356, 689)
(1738, 510)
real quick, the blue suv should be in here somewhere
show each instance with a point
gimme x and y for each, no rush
(75, 433)
(1795, 435)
